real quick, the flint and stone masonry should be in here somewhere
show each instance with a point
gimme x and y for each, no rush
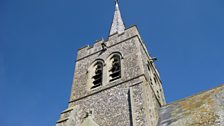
(132, 99)
(135, 97)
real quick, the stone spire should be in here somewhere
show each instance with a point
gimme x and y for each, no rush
(117, 24)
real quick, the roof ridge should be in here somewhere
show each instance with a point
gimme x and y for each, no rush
(182, 99)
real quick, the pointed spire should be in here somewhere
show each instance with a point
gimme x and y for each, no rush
(117, 24)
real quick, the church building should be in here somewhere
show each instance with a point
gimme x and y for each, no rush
(116, 83)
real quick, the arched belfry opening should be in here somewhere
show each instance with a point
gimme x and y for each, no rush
(112, 80)
(98, 74)
(115, 70)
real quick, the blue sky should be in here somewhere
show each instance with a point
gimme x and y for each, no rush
(39, 40)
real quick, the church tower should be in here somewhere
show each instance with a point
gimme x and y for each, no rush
(115, 82)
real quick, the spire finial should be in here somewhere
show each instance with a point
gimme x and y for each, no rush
(117, 24)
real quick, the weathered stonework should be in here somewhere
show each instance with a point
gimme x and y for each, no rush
(136, 97)
(128, 101)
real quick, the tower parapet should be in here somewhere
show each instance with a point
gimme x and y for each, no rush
(115, 81)
(111, 41)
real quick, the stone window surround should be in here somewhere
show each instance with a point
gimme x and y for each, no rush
(107, 64)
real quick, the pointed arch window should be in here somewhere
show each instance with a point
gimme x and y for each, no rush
(115, 71)
(98, 75)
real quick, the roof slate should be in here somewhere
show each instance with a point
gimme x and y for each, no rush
(203, 109)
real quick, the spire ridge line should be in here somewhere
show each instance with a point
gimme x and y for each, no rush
(117, 24)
